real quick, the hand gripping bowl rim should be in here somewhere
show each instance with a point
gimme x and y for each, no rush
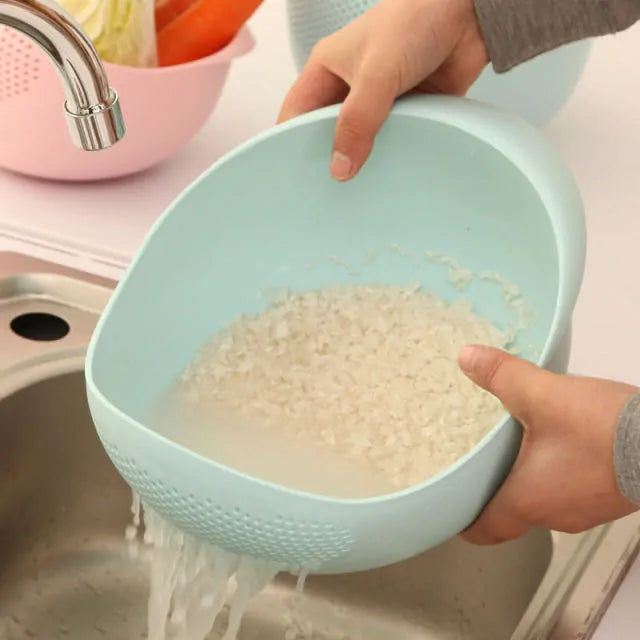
(508, 134)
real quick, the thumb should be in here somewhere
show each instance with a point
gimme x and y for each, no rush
(518, 384)
(362, 115)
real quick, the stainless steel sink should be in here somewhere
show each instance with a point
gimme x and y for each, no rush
(64, 568)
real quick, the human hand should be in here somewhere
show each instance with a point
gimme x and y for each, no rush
(564, 477)
(431, 46)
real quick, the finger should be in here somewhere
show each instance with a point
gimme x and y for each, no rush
(495, 527)
(519, 384)
(363, 113)
(425, 88)
(450, 81)
(463, 67)
(501, 520)
(508, 514)
(316, 87)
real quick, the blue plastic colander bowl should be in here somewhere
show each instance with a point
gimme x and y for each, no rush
(447, 175)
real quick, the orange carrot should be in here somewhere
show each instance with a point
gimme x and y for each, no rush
(168, 10)
(204, 28)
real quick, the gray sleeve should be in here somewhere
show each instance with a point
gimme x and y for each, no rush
(517, 30)
(627, 450)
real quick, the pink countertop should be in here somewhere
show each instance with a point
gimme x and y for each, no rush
(99, 226)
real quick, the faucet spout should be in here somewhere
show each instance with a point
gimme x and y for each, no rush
(92, 108)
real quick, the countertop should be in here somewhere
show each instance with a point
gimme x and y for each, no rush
(99, 226)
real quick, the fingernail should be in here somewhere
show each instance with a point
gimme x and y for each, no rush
(467, 358)
(341, 166)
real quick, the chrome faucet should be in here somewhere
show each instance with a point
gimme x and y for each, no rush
(92, 108)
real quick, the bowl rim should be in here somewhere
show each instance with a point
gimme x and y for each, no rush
(524, 147)
(241, 44)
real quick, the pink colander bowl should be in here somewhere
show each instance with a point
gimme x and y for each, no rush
(163, 109)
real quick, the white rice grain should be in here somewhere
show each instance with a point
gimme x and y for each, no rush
(369, 372)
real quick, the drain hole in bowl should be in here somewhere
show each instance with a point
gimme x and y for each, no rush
(44, 327)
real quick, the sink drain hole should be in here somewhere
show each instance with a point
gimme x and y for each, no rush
(44, 327)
